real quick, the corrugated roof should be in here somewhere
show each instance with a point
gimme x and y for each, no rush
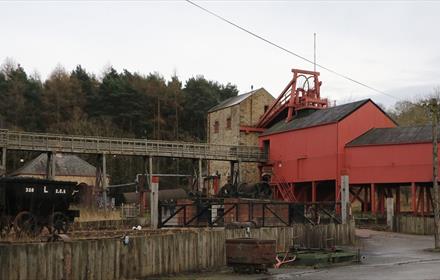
(65, 165)
(318, 117)
(232, 101)
(395, 135)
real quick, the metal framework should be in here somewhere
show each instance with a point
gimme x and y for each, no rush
(302, 92)
(199, 213)
(373, 196)
(45, 142)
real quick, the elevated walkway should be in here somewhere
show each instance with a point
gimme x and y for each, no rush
(58, 143)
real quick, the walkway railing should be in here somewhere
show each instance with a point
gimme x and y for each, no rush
(45, 142)
(219, 213)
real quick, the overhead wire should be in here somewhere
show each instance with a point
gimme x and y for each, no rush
(289, 51)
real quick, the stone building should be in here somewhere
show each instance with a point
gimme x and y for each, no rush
(230, 123)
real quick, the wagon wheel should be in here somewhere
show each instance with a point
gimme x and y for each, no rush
(26, 223)
(5, 225)
(59, 223)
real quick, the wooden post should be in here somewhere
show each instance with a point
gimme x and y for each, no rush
(154, 202)
(345, 198)
(150, 171)
(398, 199)
(434, 108)
(50, 166)
(142, 188)
(390, 212)
(239, 178)
(313, 191)
(104, 180)
(373, 199)
(365, 204)
(413, 198)
(200, 176)
(231, 172)
(3, 162)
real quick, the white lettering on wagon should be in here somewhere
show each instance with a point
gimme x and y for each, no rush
(29, 189)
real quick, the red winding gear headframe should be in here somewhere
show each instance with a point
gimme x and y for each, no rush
(302, 92)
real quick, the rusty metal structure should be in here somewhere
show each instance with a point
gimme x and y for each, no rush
(259, 213)
(302, 92)
(250, 255)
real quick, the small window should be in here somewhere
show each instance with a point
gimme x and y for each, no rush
(216, 126)
(266, 107)
(228, 123)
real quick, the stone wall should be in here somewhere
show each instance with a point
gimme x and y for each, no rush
(246, 113)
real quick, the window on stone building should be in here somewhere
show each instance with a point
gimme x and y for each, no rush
(216, 126)
(228, 123)
(266, 107)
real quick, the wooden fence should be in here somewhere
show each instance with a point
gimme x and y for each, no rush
(156, 254)
(414, 224)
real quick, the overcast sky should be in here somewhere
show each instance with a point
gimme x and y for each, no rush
(392, 46)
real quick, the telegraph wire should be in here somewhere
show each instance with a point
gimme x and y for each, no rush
(289, 51)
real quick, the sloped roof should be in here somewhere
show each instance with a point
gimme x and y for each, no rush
(65, 165)
(233, 101)
(395, 135)
(318, 117)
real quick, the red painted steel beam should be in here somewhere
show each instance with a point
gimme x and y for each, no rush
(373, 198)
(365, 205)
(313, 191)
(249, 129)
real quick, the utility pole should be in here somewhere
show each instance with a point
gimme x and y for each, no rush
(314, 52)
(434, 108)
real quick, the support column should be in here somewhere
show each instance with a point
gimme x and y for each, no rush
(239, 172)
(373, 199)
(50, 166)
(390, 212)
(381, 192)
(365, 204)
(200, 176)
(422, 197)
(142, 187)
(413, 198)
(345, 199)
(3, 162)
(313, 191)
(150, 171)
(231, 172)
(154, 202)
(104, 180)
(398, 199)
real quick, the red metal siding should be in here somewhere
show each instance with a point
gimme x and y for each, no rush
(389, 163)
(356, 124)
(304, 155)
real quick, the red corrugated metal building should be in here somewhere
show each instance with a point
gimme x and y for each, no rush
(384, 160)
(311, 145)
(307, 153)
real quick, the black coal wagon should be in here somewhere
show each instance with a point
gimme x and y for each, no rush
(27, 205)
